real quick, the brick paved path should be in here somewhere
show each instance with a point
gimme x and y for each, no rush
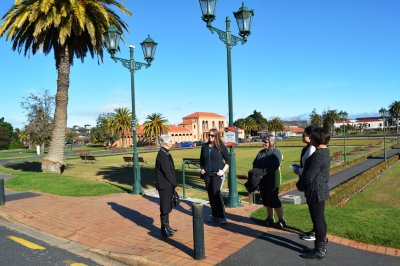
(127, 227)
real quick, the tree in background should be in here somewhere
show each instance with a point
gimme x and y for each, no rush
(15, 141)
(315, 119)
(6, 134)
(248, 124)
(69, 29)
(39, 112)
(260, 120)
(394, 111)
(23, 137)
(329, 118)
(154, 126)
(102, 132)
(120, 121)
(276, 124)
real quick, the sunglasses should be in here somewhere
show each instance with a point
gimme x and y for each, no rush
(210, 135)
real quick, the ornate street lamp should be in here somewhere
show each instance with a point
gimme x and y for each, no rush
(384, 114)
(343, 116)
(243, 18)
(111, 39)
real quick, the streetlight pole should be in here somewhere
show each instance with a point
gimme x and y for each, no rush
(343, 117)
(111, 40)
(383, 113)
(244, 18)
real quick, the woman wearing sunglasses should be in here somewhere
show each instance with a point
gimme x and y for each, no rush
(214, 162)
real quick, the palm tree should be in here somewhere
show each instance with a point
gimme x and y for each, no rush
(394, 110)
(69, 29)
(155, 125)
(329, 118)
(315, 119)
(120, 121)
(275, 124)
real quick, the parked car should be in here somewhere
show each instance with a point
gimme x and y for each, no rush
(186, 144)
(199, 143)
(256, 140)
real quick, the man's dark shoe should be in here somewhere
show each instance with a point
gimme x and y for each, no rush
(269, 222)
(280, 224)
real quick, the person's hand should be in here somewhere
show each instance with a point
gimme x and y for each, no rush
(202, 171)
(220, 173)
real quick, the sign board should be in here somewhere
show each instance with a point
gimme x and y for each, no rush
(231, 136)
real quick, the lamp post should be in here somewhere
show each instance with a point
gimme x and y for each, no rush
(383, 112)
(343, 116)
(243, 18)
(111, 39)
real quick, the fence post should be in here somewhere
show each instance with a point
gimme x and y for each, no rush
(198, 231)
(2, 193)
(184, 179)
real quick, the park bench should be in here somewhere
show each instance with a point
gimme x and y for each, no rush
(192, 161)
(129, 160)
(89, 158)
(81, 152)
(337, 154)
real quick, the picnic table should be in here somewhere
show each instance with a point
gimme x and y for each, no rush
(89, 158)
(129, 160)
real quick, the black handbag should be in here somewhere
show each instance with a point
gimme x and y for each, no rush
(175, 199)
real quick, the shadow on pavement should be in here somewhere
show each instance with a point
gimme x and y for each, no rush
(147, 223)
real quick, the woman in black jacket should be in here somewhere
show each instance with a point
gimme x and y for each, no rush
(165, 183)
(269, 160)
(214, 162)
(314, 183)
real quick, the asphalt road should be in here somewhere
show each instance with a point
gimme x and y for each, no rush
(21, 249)
(284, 249)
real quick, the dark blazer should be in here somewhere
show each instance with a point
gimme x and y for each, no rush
(268, 160)
(165, 170)
(315, 175)
(212, 159)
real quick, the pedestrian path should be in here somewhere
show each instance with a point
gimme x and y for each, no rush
(125, 227)
(348, 173)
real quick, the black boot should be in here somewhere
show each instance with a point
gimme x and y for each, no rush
(318, 252)
(169, 227)
(164, 230)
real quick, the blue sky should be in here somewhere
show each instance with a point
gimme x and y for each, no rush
(301, 55)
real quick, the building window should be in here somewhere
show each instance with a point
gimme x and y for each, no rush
(194, 126)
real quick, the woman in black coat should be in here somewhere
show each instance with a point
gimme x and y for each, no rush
(214, 162)
(269, 159)
(165, 183)
(314, 183)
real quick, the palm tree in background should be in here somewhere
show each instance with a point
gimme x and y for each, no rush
(329, 118)
(120, 122)
(275, 124)
(155, 125)
(69, 29)
(315, 119)
(394, 110)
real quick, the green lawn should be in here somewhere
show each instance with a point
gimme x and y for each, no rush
(113, 170)
(372, 216)
(58, 184)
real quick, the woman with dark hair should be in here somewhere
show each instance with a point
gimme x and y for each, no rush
(269, 159)
(165, 183)
(314, 183)
(214, 162)
(306, 152)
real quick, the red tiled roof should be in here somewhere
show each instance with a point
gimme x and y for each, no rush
(364, 120)
(187, 122)
(294, 129)
(203, 114)
(172, 128)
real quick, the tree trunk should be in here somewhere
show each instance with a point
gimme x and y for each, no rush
(54, 160)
